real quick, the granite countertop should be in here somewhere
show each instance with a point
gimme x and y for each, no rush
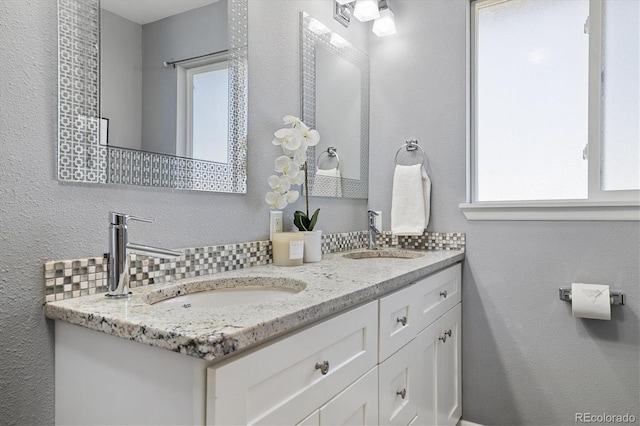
(332, 285)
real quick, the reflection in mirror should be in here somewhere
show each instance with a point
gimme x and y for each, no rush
(172, 88)
(147, 102)
(335, 101)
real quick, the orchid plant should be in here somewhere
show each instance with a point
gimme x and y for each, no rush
(292, 169)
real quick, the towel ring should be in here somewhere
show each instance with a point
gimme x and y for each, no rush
(411, 145)
(331, 152)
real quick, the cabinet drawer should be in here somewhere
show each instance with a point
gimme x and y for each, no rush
(285, 381)
(396, 387)
(398, 321)
(436, 294)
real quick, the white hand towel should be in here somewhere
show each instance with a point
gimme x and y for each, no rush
(410, 200)
(327, 183)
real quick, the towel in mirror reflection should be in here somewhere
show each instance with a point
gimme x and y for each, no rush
(327, 183)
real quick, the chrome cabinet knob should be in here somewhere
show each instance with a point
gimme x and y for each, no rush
(402, 320)
(444, 336)
(323, 367)
(402, 393)
(443, 294)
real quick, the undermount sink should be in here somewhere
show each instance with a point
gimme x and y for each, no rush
(219, 292)
(384, 253)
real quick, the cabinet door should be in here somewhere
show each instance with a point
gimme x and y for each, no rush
(397, 379)
(357, 405)
(449, 368)
(398, 321)
(285, 381)
(438, 293)
(426, 348)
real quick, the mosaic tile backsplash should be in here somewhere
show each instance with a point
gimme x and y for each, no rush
(81, 277)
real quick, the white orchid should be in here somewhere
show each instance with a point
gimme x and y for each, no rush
(286, 166)
(276, 200)
(300, 158)
(288, 138)
(280, 184)
(292, 196)
(292, 166)
(298, 179)
(311, 137)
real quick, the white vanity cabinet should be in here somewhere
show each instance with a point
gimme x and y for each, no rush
(423, 378)
(392, 361)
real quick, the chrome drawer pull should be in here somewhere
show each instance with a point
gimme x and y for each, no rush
(444, 336)
(402, 320)
(443, 294)
(324, 367)
(402, 393)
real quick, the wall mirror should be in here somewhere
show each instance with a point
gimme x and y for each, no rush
(153, 93)
(335, 101)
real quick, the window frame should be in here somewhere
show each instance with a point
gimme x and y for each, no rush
(623, 205)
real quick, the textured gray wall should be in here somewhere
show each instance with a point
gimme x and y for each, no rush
(42, 219)
(526, 360)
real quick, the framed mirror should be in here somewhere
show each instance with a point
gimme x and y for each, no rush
(153, 93)
(335, 101)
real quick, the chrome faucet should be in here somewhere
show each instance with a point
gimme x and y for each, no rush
(119, 248)
(373, 230)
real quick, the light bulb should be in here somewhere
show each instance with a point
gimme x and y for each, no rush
(385, 25)
(366, 10)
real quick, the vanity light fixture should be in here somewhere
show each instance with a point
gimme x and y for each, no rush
(386, 24)
(366, 10)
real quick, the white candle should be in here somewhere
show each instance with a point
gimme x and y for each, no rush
(288, 248)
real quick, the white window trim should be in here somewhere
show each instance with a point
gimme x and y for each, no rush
(601, 205)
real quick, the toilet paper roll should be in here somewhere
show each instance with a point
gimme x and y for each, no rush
(590, 301)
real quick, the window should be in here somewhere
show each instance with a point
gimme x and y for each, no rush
(202, 123)
(208, 112)
(555, 110)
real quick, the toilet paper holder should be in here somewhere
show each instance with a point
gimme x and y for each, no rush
(616, 297)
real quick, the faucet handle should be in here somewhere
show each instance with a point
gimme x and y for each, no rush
(123, 218)
(141, 219)
(372, 213)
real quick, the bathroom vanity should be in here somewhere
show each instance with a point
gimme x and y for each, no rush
(368, 341)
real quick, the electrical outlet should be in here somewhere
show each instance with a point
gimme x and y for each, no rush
(275, 223)
(379, 220)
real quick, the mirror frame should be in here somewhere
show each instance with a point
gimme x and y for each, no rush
(81, 156)
(351, 188)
